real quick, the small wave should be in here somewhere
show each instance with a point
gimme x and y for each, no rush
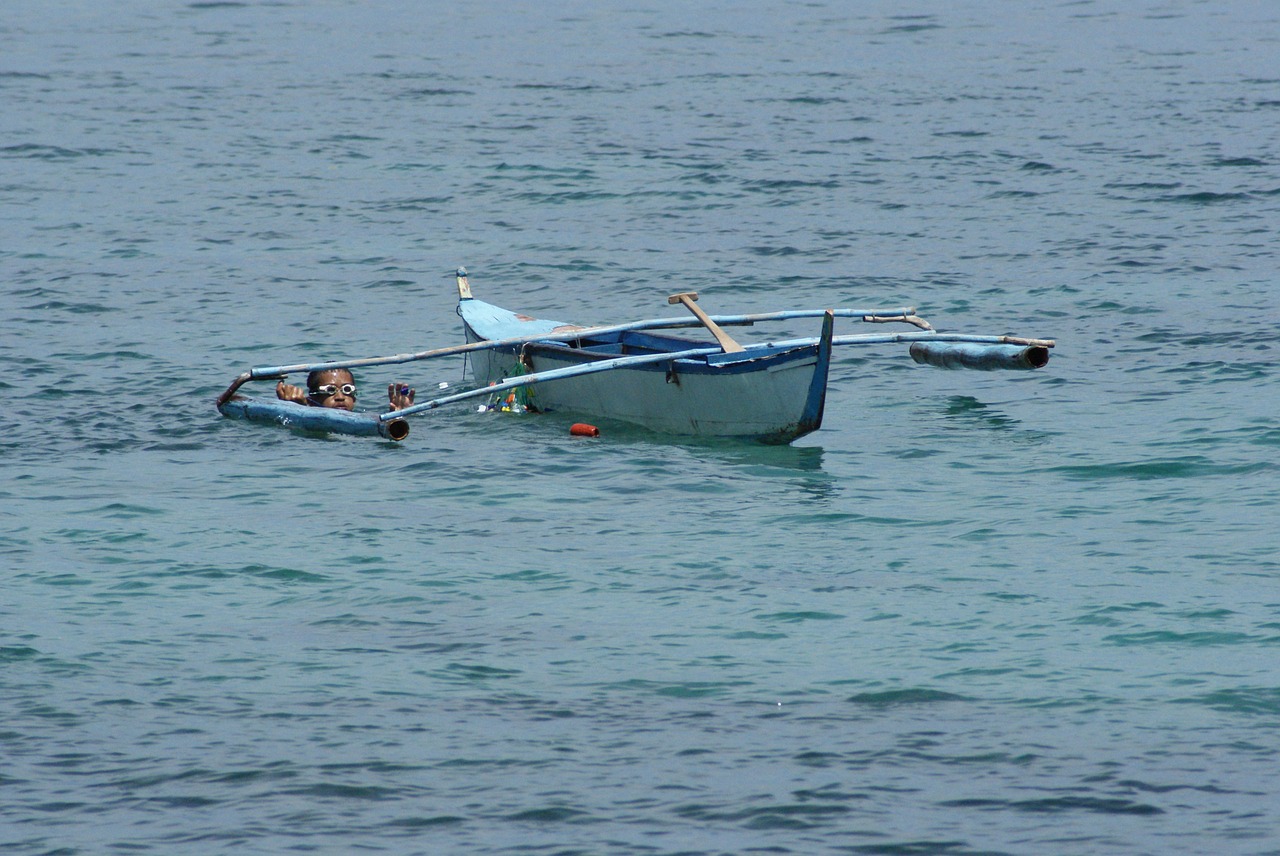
(568, 196)
(441, 647)
(1164, 637)
(817, 759)
(814, 100)
(774, 251)
(912, 28)
(893, 698)
(42, 152)
(477, 673)
(686, 34)
(698, 689)
(770, 184)
(1251, 700)
(76, 309)
(434, 93)
(285, 574)
(17, 652)
(796, 617)
(185, 801)
(1055, 805)
(1238, 162)
(1267, 437)
(682, 689)
(1204, 197)
(559, 87)
(1143, 185)
(121, 511)
(346, 792)
(786, 816)
(421, 203)
(551, 814)
(174, 447)
(1147, 787)
(921, 847)
(1193, 466)
(752, 634)
(425, 822)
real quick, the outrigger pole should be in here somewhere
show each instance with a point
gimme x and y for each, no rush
(553, 374)
(945, 350)
(1006, 352)
(571, 333)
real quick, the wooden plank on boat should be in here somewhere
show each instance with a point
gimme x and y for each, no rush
(687, 298)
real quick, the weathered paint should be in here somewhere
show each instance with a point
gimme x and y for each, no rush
(767, 393)
(773, 391)
(962, 355)
(816, 400)
(291, 415)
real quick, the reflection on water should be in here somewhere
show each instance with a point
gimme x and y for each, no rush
(801, 466)
(806, 459)
(970, 411)
(966, 413)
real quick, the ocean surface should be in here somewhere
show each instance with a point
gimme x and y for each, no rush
(999, 613)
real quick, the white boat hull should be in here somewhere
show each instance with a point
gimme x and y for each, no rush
(774, 397)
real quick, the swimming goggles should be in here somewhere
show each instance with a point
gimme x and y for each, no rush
(347, 389)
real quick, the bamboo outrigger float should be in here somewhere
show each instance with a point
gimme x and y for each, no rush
(773, 391)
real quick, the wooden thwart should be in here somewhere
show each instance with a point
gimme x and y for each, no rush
(726, 341)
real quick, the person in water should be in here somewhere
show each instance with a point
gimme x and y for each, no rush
(336, 389)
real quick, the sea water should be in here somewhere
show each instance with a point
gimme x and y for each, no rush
(1018, 613)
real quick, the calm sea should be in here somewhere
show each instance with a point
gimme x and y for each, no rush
(1028, 613)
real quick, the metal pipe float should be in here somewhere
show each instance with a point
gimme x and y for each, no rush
(292, 415)
(963, 355)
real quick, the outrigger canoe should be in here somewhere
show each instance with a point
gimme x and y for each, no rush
(773, 391)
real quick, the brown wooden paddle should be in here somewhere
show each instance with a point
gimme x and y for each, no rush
(725, 340)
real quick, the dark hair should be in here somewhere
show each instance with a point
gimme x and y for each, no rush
(313, 379)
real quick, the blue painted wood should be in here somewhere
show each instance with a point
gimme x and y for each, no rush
(816, 401)
(291, 415)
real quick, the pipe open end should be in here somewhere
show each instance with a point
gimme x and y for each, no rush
(396, 429)
(1037, 356)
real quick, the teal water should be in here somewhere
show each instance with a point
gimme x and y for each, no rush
(975, 613)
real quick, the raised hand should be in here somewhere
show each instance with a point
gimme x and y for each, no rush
(288, 392)
(400, 395)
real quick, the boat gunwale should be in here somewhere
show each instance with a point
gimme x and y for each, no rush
(751, 361)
